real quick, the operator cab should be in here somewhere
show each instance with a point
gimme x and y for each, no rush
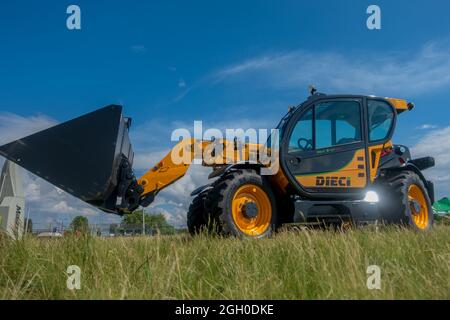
(327, 141)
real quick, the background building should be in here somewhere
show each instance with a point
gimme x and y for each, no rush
(12, 201)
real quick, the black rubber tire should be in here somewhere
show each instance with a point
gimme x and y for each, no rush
(196, 221)
(394, 204)
(220, 197)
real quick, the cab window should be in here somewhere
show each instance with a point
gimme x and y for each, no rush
(381, 119)
(302, 135)
(337, 123)
(333, 123)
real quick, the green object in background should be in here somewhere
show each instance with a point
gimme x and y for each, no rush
(442, 207)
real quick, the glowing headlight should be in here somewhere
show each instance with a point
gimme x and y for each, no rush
(371, 196)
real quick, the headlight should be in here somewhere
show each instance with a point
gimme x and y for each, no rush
(371, 196)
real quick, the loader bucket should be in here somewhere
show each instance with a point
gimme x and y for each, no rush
(81, 156)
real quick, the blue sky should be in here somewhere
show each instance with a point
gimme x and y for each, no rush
(238, 63)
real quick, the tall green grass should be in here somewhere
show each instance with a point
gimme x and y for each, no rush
(290, 265)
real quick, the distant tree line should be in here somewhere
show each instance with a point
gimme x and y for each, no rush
(140, 221)
(137, 222)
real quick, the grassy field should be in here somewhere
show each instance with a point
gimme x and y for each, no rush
(290, 265)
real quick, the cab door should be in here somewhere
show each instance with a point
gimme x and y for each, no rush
(324, 147)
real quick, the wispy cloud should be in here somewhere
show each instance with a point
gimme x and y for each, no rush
(435, 143)
(138, 48)
(427, 126)
(181, 83)
(382, 73)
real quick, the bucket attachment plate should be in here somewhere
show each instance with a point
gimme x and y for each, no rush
(83, 156)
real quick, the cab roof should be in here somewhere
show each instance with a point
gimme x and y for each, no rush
(400, 105)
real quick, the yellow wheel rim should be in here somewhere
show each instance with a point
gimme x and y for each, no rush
(250, 195)
(418, 206)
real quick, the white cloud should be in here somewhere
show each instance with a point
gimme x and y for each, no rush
(62, 207)
(179, 192)
(43, 197)
(138, 48)
(175, 216)
(13, 126)
(143, 161)
(436, 144)
(380, 73)
(32, 190)
(427, 126)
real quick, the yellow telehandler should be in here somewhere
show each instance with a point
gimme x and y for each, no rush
(337, 164)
